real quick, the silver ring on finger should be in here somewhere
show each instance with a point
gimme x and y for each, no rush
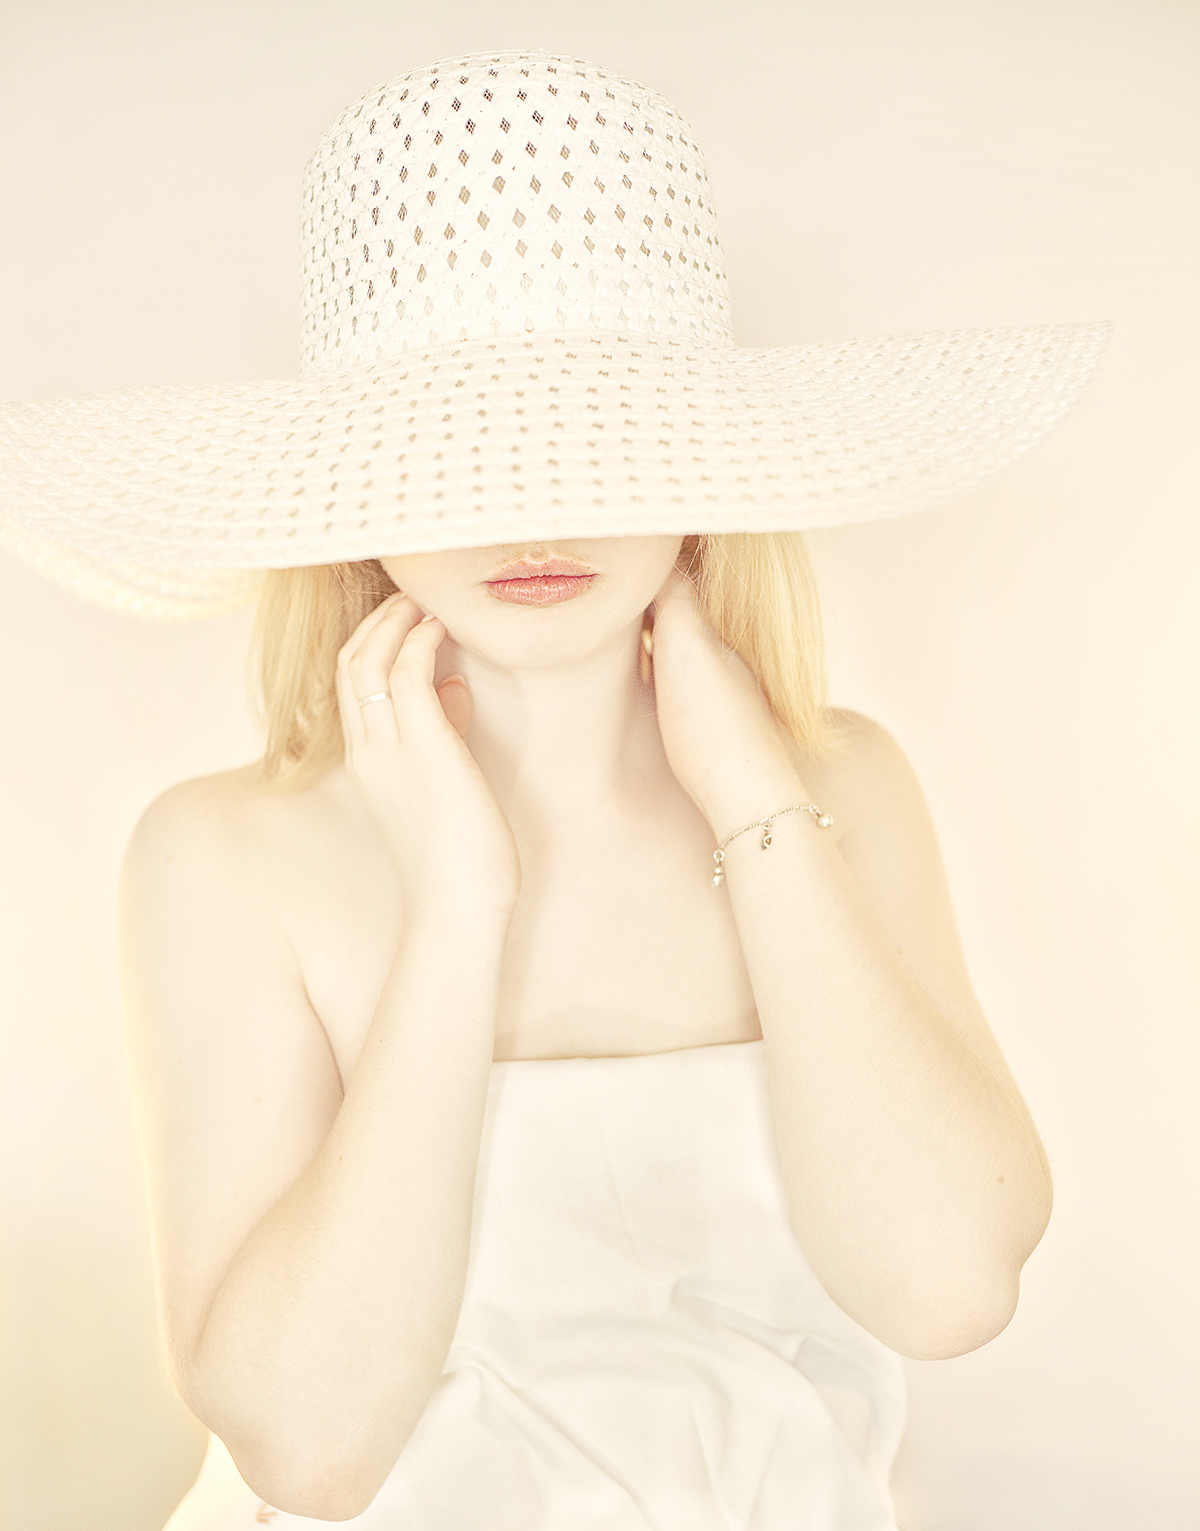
(375, 696)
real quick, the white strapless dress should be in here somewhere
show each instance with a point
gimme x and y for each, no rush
(642, 1345)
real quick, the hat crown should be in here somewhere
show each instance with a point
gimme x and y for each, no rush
(506, 194)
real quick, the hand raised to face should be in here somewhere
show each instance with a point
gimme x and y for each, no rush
(406, 750)
(720, 737)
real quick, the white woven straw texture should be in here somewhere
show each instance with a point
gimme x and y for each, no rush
(502, 195)
(515, 329)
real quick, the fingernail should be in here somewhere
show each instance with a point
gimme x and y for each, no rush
(428, 617)
(463, 678)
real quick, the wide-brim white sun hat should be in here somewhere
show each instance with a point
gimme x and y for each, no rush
(515, 329)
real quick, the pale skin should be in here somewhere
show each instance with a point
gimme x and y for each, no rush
(517, 864)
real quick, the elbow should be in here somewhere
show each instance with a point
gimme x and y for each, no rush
(314, 1487)
(319, 1463)
(325, 1502)
(953, 1319)
(299, 1470)
(955, 1323)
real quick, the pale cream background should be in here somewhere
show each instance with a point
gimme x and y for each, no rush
(877, 167)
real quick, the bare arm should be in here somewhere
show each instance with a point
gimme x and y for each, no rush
(917, 1185)
(312, 1248)
(917, 1182)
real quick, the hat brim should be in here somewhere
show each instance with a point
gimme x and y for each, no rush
(165, 500)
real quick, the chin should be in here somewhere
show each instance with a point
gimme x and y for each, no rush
(512, 636)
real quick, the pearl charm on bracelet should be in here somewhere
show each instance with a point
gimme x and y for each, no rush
(824, 820)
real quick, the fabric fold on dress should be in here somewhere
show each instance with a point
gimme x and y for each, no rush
(642, 1345)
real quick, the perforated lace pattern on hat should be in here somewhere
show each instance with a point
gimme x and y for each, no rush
(572, 437)
(550, 358)
(505, 194)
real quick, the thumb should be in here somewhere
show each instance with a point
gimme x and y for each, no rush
(456, 704)
(676, 586)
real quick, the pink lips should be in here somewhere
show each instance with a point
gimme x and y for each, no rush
(528, 583)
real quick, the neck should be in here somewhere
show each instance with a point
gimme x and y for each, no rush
(558, 741)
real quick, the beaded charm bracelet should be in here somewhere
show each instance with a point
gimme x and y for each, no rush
(823, 819)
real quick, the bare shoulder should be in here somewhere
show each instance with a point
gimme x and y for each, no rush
(886, 838)
(234, 1082)
(184, 844)
(860, 743)
(864, 778)
(229, 879)
(234, 828)
(204, 895)
(198, 880)
(228, 811)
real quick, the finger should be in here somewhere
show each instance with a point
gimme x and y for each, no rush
(372, 620)
(456, 704)
(669, 588)
(364, 720)
(365, 669)
(382, 631)
(381, 719)
(376, 654)
(676, 585)
(410, 678)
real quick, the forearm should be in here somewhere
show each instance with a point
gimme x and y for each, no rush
(328, 1334)
(915, 1180)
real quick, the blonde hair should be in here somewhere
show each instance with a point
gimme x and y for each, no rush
(756, 589)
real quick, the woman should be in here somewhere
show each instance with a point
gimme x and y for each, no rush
(562, 1092)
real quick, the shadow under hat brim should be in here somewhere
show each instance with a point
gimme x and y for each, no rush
(165, 501)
